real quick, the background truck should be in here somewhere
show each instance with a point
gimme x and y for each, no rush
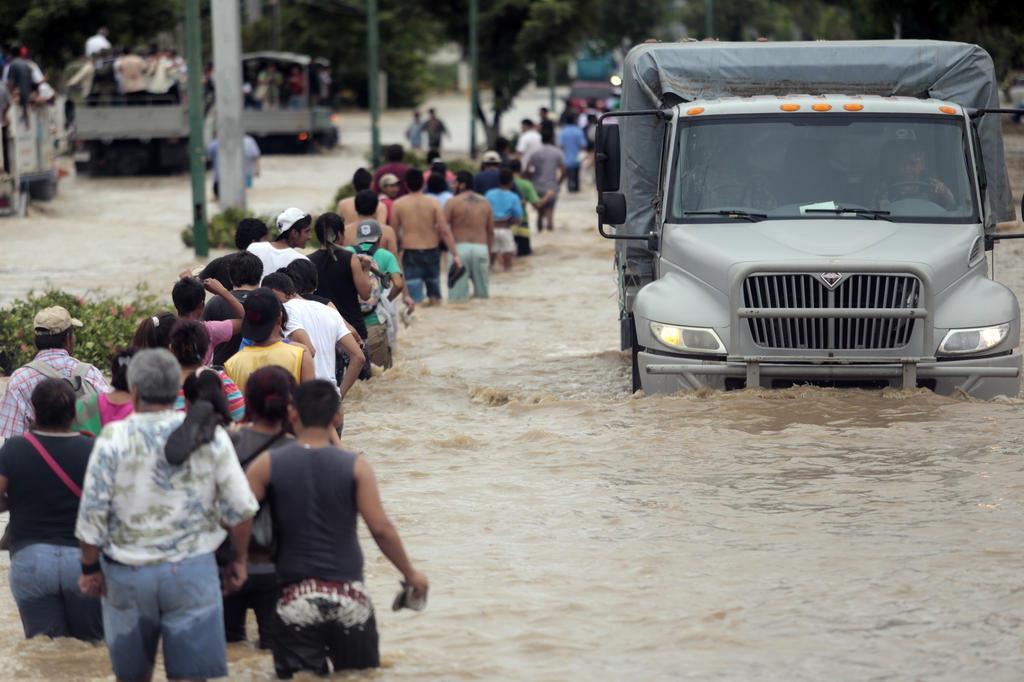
(30, 140)
(147, 136)
(810, 213)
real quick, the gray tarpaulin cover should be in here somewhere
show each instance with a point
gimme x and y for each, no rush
(663, 74)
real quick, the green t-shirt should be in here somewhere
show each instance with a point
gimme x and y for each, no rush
(386, 263)
(529, 196)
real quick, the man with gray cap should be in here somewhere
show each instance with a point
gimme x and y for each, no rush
(386, 284)
(55, 341)
(148, 525)
(293, 228)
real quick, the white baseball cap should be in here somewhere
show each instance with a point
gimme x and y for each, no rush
(288, 219)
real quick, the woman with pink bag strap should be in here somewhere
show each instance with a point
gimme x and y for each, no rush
(41, 475)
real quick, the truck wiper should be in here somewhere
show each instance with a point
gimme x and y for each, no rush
(869, 213)
(743, 215)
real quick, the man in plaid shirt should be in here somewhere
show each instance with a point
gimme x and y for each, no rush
(55, 339)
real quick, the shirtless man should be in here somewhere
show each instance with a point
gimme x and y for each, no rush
(472, 223)
(361, 179)
(421, 227)
(366, 205)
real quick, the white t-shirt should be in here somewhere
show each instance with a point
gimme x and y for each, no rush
(325, 328)
(96, 44)
(528, 142)
(273, 259)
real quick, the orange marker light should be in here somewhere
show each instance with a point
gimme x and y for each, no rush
(303, 137)
(693, 111)
(790, 107)
(821, 107)
(853, 107)
(947, 109)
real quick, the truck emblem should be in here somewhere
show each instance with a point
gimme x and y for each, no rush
(831, 279)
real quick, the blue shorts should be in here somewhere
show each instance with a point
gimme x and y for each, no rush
(422, 269)
(178, 602)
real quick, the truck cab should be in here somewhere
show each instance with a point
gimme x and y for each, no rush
(817, 238)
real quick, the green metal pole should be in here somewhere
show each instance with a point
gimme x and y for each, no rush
(197, 166)
(474, 65)
(551, 83)
(373, 76)
(709, 18)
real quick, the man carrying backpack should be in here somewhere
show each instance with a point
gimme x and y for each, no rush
(55, 340)
(386, 283)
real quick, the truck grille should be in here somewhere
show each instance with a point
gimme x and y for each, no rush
(808, 291)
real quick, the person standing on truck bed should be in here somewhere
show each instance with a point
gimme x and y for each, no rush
(131, 70)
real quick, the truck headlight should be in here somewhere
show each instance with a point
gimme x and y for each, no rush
(693, 339)
(962, 341)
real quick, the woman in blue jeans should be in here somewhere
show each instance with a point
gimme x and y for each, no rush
(42, 493)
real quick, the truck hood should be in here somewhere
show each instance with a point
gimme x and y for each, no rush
(710, 250)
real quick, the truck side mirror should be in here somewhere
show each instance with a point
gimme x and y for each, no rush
(607, 158)
(612, 208)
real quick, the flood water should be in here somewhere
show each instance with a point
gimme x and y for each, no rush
(571, 530)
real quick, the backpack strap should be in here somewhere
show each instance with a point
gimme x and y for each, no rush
(52, 463)
(45, 369)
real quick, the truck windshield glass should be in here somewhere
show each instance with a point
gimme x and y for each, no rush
(905, 168)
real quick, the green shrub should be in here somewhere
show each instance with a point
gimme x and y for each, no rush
(221, 228)
(109, 324)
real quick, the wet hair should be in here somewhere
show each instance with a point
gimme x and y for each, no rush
(154, 331)
(119, 368)
(188, 295)
(414, 179)
(515, 165)
(249, 230)
(361, 179)
(54, 403)
(505, 177)
(465, 178)
(317, 402)
(189, 342)
(327, 223)
(304, 274)
(246, 269)
(436, 184)
(156, 375)
(394, 153)
(268, 393)
(53, 341)
(547, 134)
(367, 202)
(206, 385)
(220, 270)
(280, 281)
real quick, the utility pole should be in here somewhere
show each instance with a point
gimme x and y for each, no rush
(373, 77)
(551, 83)
(277, 23)
(474, 76)
(709, 18)
(197, 167)
(227, 67)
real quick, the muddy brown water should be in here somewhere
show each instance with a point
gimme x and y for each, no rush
(571, 530)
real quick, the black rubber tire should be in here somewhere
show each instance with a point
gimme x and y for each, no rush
(43, 190)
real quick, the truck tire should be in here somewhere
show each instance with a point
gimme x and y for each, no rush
(43, 190)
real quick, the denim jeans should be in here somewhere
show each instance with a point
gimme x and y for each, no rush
(44, 582)
(179, 602)
(422, 267)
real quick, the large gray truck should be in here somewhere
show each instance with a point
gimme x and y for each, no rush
(790, 213)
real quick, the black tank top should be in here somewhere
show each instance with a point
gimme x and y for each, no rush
(313, 498)
(334, 281)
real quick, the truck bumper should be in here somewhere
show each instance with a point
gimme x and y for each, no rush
(982, 378)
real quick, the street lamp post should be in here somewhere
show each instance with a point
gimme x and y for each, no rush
(474, 65)
(709, 18)
(373, 77)
(197, 167)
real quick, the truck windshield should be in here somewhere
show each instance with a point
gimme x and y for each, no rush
(900, 168)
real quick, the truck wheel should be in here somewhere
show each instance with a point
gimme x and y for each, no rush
(43, 190)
